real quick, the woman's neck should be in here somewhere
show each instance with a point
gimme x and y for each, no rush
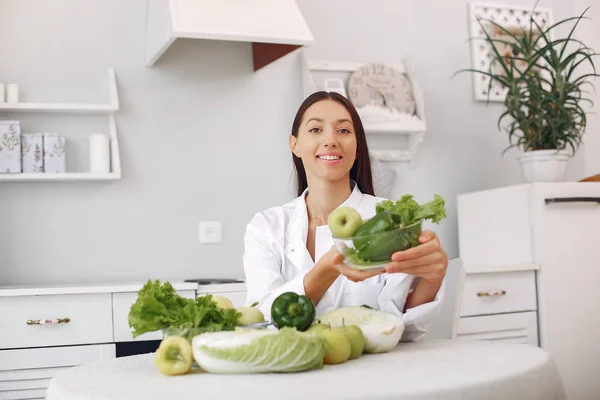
(323, 197)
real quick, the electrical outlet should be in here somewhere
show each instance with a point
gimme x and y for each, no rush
(210, 232)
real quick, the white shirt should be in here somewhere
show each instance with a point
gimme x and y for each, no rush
(276, 260)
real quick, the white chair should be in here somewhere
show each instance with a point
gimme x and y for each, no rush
(445, 324)
(460, 284)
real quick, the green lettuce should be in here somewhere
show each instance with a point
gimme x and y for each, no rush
(411, 212)
(159, 307)
(259, 350)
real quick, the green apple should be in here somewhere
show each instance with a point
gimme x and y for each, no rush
(344, 221)
(317, 328)
(222, 302)
(338, 345)
(357, 340)
(250, 315)
(174, 356)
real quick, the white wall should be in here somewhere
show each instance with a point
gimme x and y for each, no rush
(589, 33)
(203, 137)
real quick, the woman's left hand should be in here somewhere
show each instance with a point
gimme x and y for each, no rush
(427, 261)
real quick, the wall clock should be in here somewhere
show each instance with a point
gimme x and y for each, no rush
(382, 86)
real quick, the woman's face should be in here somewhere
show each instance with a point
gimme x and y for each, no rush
(326, 141)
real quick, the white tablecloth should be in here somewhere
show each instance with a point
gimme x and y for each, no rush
(436, 369)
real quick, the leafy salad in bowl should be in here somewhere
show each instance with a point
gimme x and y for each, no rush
(396, 226)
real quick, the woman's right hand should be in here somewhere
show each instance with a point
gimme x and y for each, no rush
(335, 260)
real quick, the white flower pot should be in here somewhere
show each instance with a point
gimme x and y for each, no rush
(544, 165)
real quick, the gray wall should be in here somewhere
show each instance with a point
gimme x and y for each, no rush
(203, 137)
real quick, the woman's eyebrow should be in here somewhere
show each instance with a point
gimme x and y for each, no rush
(313, 119)
(320, 120)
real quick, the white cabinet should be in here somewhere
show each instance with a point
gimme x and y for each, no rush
(55, 320)
(26, 373)
(498, 292)
(516, 328)
(550, 230)
(70, 326)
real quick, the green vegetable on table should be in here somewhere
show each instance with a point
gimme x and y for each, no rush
(396, 226)
(159, 307)
(293, 310)
(259, 351)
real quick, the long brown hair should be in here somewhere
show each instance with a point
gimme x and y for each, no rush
(361, 169)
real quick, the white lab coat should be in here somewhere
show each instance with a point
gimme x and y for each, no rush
(276, 260)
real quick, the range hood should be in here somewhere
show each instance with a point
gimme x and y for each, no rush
(274, 27)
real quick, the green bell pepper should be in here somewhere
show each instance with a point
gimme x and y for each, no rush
(293, 310)
(382, 236)
(381, 222)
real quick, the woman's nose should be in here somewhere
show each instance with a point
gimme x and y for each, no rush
(330, 139)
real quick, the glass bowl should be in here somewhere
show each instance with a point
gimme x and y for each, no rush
(373, 252)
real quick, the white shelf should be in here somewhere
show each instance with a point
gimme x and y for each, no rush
(109, 108)
(414, 129)
(66, 177)
(59, 108)
(391, 129)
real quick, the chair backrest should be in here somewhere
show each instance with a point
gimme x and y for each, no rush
(445, 324)
(460, 284)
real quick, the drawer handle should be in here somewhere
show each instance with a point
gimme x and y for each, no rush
(48, 321)
(573, 200)
(492, 293)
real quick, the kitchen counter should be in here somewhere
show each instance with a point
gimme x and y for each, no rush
(123, 287)
(6, 291)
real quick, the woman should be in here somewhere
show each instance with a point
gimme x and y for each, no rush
(290, 248)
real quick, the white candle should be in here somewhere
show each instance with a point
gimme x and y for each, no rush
(99, 153)
(1, 93)
(12, 93)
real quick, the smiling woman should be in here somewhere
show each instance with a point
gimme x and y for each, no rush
(317, 115)
(290, 248)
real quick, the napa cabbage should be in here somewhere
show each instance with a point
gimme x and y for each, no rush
(382, 330)
(258, 351)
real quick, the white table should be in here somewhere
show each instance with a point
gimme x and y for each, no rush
(436, 369)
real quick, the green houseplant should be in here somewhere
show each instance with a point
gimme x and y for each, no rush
(545, 92)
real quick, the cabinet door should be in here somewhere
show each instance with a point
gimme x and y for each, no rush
(498, 293)
(26, 373)
(79, 319)
(567, 244)
(494, 230)
(515, 328)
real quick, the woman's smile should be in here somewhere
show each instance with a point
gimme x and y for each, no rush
(329, 158)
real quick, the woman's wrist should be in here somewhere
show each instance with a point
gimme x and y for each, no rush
(424, 292)
(319, 279)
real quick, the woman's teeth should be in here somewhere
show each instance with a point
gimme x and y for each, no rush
(329, 157)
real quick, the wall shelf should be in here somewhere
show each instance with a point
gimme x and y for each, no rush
(412, 129)
(66, 177)
(109, 109)
(58, 108)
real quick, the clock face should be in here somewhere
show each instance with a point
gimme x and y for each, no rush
(381, 85)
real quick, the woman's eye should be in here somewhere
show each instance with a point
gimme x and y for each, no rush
(344, 130)
(314, 130)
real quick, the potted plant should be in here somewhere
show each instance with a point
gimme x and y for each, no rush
(545, 92)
